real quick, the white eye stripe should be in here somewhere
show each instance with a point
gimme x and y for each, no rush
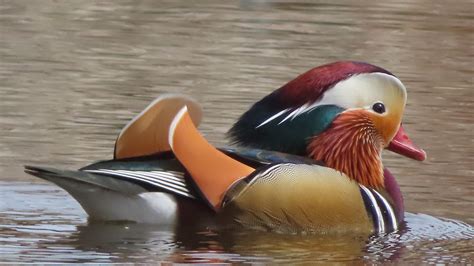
(357, 92)
(363, 90)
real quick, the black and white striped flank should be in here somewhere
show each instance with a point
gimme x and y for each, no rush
(168, 181)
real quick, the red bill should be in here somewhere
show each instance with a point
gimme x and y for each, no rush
(403, 145)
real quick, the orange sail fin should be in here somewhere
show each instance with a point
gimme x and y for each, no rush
(212, 171)
(147, 133)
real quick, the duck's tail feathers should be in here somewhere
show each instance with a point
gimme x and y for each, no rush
(73, 181)
(105, 198)
(147, 133)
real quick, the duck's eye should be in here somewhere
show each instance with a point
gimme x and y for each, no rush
(378, 108)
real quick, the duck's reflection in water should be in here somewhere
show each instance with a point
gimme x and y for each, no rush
(198, 241)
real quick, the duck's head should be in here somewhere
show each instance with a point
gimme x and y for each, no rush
(342, 113)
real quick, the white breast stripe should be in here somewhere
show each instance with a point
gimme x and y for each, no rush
(389, 209)
(272, 117)
(378, 212)
(159, 183)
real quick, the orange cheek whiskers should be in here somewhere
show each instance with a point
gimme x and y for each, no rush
(351, 145)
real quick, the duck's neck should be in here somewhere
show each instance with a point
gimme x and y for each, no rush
(352, 146)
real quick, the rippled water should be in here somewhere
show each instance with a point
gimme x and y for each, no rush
(73, 73)
(36, 228)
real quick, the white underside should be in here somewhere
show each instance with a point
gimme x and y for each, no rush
(105, 205)
(151, 208)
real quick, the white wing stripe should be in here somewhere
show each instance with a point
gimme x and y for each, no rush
(301, 110)
(298, 111)
(173, 173)
(156, 175)
(163, 185)
(272, 118)
(159, 175)
(168, 178)
(128, 175)
(289, 116)
(175, 177)
(153, 180)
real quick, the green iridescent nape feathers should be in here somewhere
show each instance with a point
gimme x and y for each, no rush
(290, 136)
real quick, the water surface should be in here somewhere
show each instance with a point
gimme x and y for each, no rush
(73, 73)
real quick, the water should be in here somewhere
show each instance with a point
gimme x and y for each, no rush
(73, 73)
(36, 228)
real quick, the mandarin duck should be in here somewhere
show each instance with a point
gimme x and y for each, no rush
(307, 158)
